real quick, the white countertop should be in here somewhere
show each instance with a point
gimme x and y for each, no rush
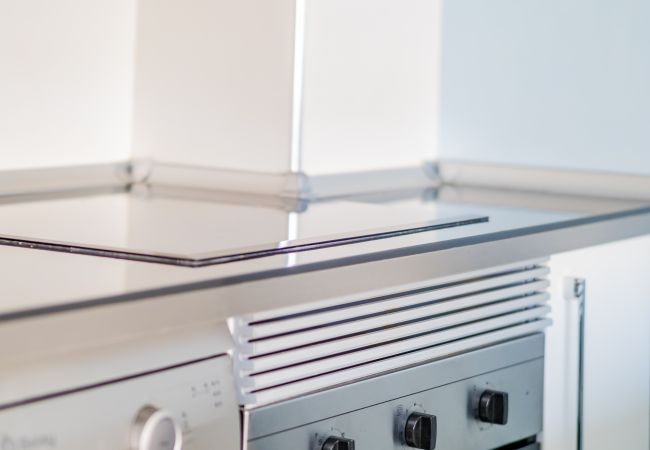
(40, 281)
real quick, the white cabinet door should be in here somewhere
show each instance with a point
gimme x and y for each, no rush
(617, 349)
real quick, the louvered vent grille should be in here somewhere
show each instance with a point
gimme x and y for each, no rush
(287, 353)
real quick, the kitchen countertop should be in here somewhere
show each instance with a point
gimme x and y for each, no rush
(522, 225)
(70, 317)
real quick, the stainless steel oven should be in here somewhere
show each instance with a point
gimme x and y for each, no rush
(450, 364)
(489, 398)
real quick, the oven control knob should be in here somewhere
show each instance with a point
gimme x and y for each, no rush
(155, 429)
(338, 443)
(493, 407)
(420, 431)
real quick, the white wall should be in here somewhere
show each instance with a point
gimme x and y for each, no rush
(66, 70)
(547, 82)
(370, 84)
(219, 83)
(211, 82)
(554, 82)
(214, 83)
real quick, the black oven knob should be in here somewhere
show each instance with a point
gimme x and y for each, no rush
(493, 407)
(421, 431)
(338, 443)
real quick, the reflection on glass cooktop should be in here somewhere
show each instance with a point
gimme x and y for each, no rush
(192, 227)
(189, 230)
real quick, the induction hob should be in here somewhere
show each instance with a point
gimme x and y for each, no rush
(193, 231)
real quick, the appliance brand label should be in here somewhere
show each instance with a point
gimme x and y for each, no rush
(35, 442)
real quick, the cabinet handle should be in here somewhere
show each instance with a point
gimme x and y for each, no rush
(579, 294)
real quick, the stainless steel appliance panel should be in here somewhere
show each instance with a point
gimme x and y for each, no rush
(380, 426)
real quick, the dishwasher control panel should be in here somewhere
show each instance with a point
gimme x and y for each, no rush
(190, 407)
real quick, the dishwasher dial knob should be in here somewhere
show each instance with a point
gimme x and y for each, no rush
(420, 431)
(155, 429)
(338, 443)
(493, 407)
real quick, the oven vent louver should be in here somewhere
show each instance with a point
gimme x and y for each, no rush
(286, 353)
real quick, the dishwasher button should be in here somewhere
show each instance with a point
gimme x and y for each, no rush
(420, 431)
(155, 429)
(338, 443)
